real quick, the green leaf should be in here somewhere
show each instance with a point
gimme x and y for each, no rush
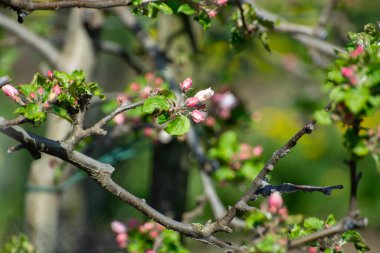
(254, 219)
(360, 149)
(249, 170)
(168, 94)
(297, 231)
(163, 118)
(61, 113)
(322, 117)
(31, 111)
(155, 104)
(356, 99)
(313, 223)
(178, 126)
(224, 174)
(204, 20)
(186, 9)
(164, 8)
(62, 77)
(355, 238)
(330, 220)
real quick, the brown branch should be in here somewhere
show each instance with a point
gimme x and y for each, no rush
(27, 5)
(79, 133)
(326, 15)
(101, 173)
(290, 188)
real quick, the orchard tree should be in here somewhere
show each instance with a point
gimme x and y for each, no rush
(163, 103)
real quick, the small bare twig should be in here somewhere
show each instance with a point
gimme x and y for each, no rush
(197, 211)
(290, 188)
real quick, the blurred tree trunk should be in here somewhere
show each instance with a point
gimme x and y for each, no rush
(43, 207)
(169, 178)
(170, 166)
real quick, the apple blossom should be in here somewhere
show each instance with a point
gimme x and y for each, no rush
(358, 51)
(257, 151)
(119, 119)
(50, 73)
(212, 13)
(312, 250)
(135, 87)
(186, 84)
(222, 2)
(150, 251)
(192, 102)
(118, 227)
(228, 101)
(164, 137)
(275, 202)
(40, 91)
(203, 95)
(10, 91)
(56, 89)
(121, 240)
(197, 116)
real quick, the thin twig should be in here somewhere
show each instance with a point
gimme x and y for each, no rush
(290, 188)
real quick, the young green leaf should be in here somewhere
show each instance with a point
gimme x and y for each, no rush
(155, 104)
(178, 126)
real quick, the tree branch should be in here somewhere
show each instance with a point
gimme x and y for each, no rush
(42, 46)
(290, 188)
(26, 5)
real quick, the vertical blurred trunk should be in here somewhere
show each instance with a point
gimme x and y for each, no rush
(170, 166)
(42, 207)
(169, 178)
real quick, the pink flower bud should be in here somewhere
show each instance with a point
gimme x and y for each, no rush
(118, 227)
(212, 13)
(275, 202)
(56, 89)
(40, 91)
(121, 240)
(148, 131)
(197, 116)
(222, 2)
(10, 91)
(146, 92)
(149, 225)
(358, 51)
(132, 223)
(203, 95)
(349, 73)
(228, 101)
(283, 212)
(210, 121)
(32, 95)
(119, 119)
(312, 250)
(153, 234)
(192, 102)
(135, 87)
(122, 99)
(149, 76)
(186, 84)
(257, 151)
(158, 81)
(150, 251)
(46, 105)
(225, 113)
(50, 74)
(245, 151)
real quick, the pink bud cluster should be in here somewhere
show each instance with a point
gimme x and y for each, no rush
(275, 205)
(225, 102)
(121, 233)
(152, 229)
(197, 101)
(246, 152)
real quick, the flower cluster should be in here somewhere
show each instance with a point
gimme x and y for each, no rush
(149, 237)
(196, 102)
(58, 92)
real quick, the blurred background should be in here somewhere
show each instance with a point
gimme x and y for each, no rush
(283, 88)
